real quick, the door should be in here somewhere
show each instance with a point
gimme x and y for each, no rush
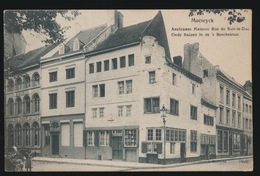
(117, 149)
(183, 152)
(55, 144)
(206, 152)
(230, 143)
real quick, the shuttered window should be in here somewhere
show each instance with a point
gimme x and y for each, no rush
(78, 134)
(65, 134)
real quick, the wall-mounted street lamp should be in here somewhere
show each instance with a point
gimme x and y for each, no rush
(164, 129)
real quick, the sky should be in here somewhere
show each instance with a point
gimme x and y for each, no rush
(232, 53)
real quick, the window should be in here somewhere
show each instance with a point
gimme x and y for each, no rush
(193, 88)
(121, 87)
(114, 63)
(246, 107)
(221, 88)
(243, 106)
(36, 133)
(172, 135)
(128, 110)
(221, 114)
(205, 73)
(250, 109)
(120, 111)
(36, 79)
(193, 141)
(26, 81)
(172, 148)
(220, 141)
(36, 103)
(18, 83)
(70, 73)
(150, 134)
(130, 137)
(233, 100)
(91, 68)
(129, 86)
(99, 66)
(70, 98)
(46, 134)
(27, 104)
(90, 138)
(193, 112)
(225, 141)
(102, 90)
(227, 97)
(151, 105)
(167, 135)
(78, 134)
(236, 138)
(10, 85)
(10, 106)
(246, 123)
(131, 60)
(27, 134)
(173, 79)
(18, 105)
(76, 44)
(238, 102)
(227, 116)
(158, 134)
(106, 65)
(101, 112)
(104, 138)
(95, 91)
(148, 59)
(208, 120)
(250, 124)
(174, 109)
(94, 112)
(18, 134)
(53, 101)
(233, 118)
(152, 77)
(122, 62)
(65, 134)
(239, 120)
(53, 76)
(62, 49)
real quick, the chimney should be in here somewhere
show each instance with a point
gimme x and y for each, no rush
(248, 86)
(177, 60)
(115, 19)
(190, 53)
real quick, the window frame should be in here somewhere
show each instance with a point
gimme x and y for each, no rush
(152, 77)
(53, 76)
(193, 112)
(153, 111)
(70, 98)
(176, 107)
(131, 60)
(122, 60)
(53, 100)
(70, 73)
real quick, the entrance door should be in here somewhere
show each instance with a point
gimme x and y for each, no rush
(206, 152)
(117, 148)
(183, 152)
(55, 144)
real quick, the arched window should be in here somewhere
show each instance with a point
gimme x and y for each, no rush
(27, 104)
(10, 132)
(18, 134)
(18, 83)
(36, 103)
(18, 105)
(10, 85)
(27, 134)
(36, 79)
(10, 106)
(36, 129)
(26, 81)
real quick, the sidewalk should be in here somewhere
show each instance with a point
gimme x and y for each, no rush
(125, 164)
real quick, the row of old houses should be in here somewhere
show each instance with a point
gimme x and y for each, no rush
(99, 95)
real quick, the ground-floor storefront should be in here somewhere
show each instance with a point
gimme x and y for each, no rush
(229, 142)
(62, 136)
(24, 133)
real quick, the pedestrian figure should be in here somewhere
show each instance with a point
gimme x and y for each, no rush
(28, 161)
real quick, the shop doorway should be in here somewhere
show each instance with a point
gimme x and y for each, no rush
(55, 144)
(183, 152)
(117, 148)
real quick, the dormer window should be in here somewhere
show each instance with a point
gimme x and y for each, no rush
(62, 49)
(76, 44)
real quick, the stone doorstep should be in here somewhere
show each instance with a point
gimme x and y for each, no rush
(130, 164)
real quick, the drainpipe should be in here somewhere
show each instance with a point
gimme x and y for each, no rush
(85, 102)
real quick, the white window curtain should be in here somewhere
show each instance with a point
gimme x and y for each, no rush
(65, 134)
(78, 134)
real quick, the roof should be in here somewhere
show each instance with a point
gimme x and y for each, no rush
(248, 84)
(225, 75)
(134, 33)
(208, 103)
(28, 59)
(84, 37)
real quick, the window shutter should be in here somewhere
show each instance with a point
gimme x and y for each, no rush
(96, 142)
(159, 148)
(85, 138)
(110, 138)
(144, 147)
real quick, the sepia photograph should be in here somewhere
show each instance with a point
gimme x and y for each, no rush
(128, 90)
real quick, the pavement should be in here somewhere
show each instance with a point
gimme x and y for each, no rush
(136, 165)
